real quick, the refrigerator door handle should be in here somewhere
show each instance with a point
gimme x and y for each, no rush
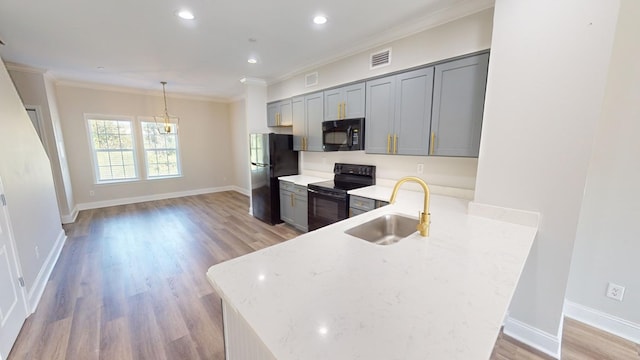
(260, 165)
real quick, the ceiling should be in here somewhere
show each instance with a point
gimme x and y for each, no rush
(139, 43)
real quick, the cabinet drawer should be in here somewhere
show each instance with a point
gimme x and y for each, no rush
(353, 212)
(287, 186)
(300, 190)
(362, 203)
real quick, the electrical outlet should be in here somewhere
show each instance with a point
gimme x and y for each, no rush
(91, 192)
(615, 291)
(37, 252)
(420, 168)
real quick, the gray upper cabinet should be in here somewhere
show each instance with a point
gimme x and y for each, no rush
(346, 102)
(458, 105)
(414, 91)
(298, 122)
(380, 115)
(314, 112)
(399, 113)
(307, 112)
(279, 113)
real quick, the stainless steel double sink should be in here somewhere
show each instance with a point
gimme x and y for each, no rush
(386, 229)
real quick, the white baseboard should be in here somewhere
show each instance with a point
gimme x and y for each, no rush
(534, 337)
(70, 218)
(603, 321)
(35, 293)
(241, 190)
(139, 199)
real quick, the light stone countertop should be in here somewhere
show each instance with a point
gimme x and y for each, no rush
(302, 180)
(329, 295)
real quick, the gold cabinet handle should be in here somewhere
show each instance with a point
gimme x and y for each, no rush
(291, 199)
(395, 143)
(278, 119)
(432, 144)
(388, 143)
(344, 110)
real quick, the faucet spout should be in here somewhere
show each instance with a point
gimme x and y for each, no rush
(423, 225)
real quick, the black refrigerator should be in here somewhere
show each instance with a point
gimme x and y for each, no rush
(271, 156)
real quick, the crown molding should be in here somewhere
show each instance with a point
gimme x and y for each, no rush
(122, 89)
(24, 68)
(253, 81)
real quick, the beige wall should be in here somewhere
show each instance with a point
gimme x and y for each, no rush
(36, 89)
(28, 186)
(204, 137)
(544, 94)
(608, 239)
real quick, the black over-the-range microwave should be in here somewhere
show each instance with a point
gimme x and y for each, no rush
(343, 135)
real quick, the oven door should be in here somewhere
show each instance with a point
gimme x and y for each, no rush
(326, 208)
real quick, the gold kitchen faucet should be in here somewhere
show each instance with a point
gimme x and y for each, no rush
(423, 225)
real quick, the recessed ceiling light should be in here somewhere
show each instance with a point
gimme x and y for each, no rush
(186, 14)
(320, 19)
(252, 61)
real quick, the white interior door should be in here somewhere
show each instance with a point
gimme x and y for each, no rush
(13, 310)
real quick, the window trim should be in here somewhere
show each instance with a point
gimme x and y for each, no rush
(94, 154)
(150, 119)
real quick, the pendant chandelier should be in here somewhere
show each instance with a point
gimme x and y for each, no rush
(165, 123)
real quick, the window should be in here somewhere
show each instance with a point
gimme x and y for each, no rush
(160, 151)
(115, 141)
(114, 157)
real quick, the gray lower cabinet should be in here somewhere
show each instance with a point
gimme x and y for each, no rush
(293, 205)
(398, 113)
(359, 205)
(345, 102)
(458, 105)
(307, 116)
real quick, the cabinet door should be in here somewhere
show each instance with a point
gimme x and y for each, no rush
(298, 122)
(286, 207)
(380, 104)
(285, 113)
(458, 105)
(300, 211)
(314, 110)
(332, 104)
(272, 112)
(354, 99)
(413, 112)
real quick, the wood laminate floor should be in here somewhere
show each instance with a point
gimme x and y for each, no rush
(130, 284)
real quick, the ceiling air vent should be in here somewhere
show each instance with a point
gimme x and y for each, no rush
(380, 59)
(311, 79)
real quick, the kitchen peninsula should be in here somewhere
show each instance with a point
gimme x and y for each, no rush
(329, 295)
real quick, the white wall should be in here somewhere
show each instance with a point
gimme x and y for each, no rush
(36, 89)
(240, 146)
(547, 72)
(450, 172)
(204, 138)
(28, 186)
(608, 238)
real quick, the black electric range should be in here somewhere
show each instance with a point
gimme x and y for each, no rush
(328, 200)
